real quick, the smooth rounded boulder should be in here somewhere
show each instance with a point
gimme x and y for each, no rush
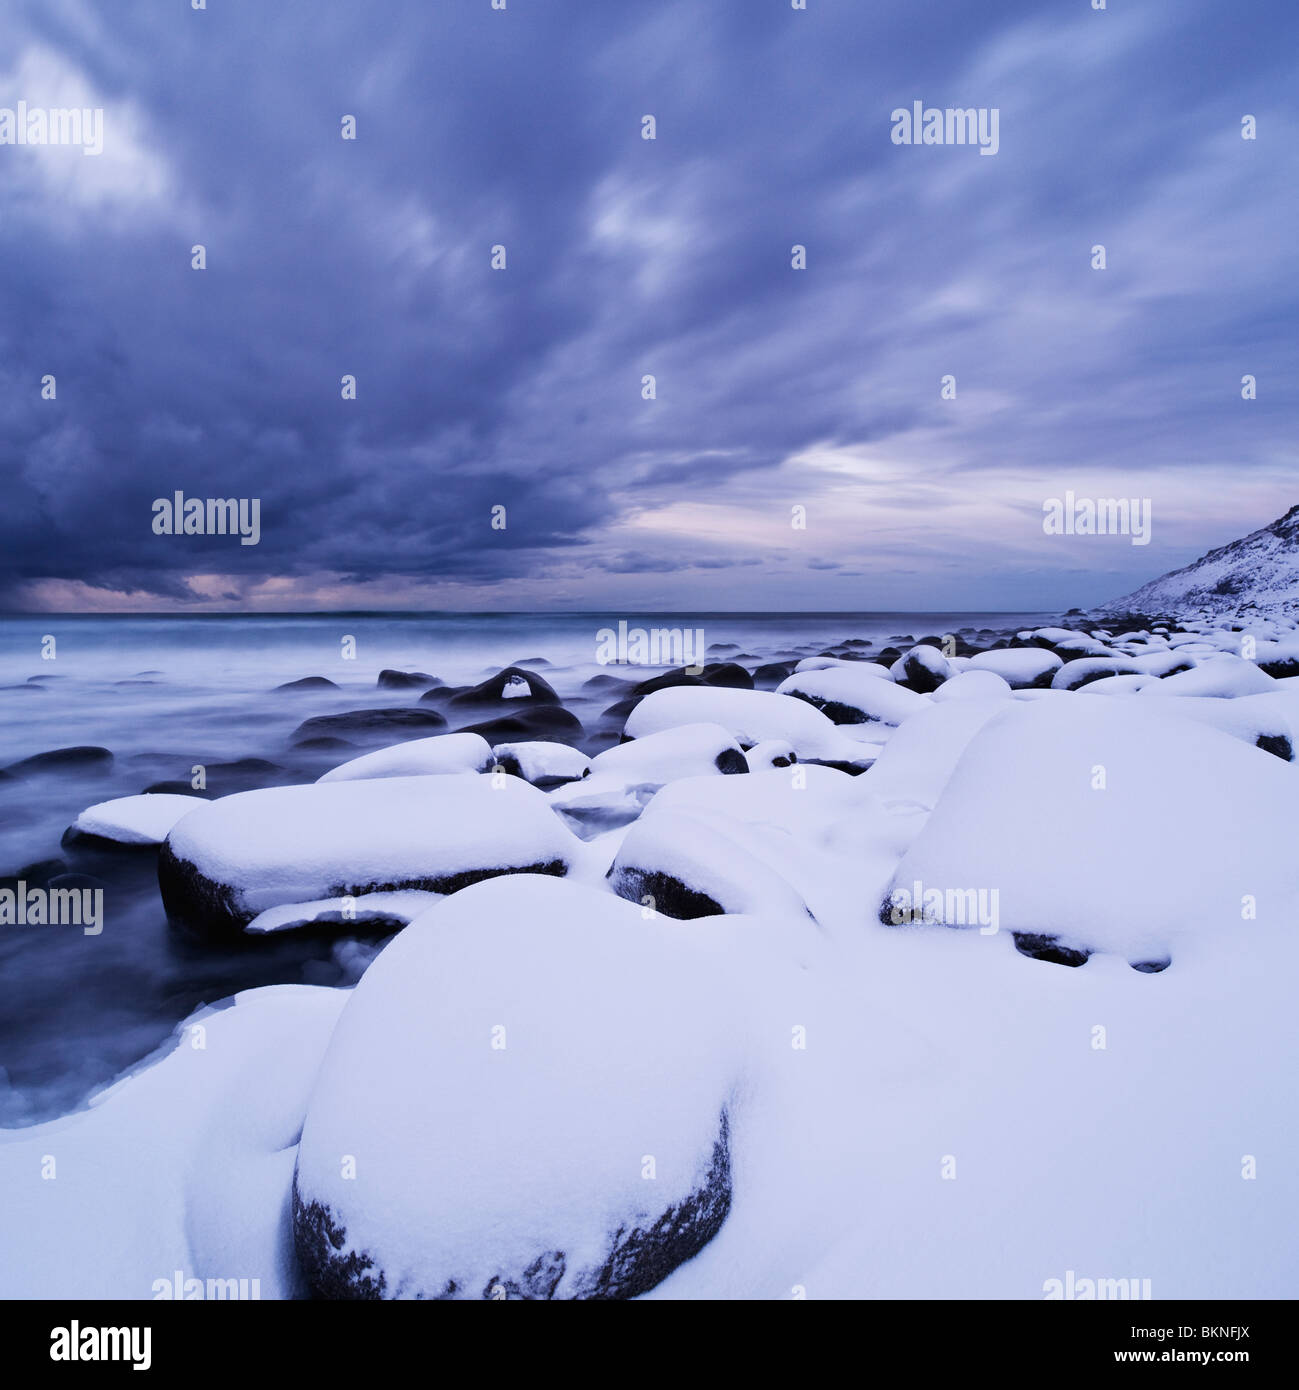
(520, 1122)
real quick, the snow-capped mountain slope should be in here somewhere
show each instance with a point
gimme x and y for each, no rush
(1258, 574)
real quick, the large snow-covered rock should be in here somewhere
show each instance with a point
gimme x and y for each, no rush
(1224, 676)
(1104, 825)
(791, 841)
(849, 696)
(534, 1081)
(754, 716)
(1020, 666)
(541, 762)
(923, 669)
(624, 778)
(232, 859)
(135, 820)
(443, 753)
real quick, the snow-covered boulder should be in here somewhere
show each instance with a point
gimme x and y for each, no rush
(788, 841)
(542, 763)
(443, 753)
(753, 716)
(971, 685)
(624, 778)
(1224, 676)
(775, 752)
(1104, 825)
(916, 763)
(135, 820)
(1020, 666)
(1073, 675)
(847, 696)
(535, 1081)
(922, 669)
(232, 859)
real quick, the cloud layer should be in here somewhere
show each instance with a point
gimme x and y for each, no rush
(775, 389)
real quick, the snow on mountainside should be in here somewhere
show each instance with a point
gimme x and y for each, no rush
(1258, 574)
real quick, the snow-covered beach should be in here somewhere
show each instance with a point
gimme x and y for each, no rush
(934, 957)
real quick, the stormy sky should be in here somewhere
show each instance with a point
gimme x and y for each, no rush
(521, 387)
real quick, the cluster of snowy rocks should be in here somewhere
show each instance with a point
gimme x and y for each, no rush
(569, 1074)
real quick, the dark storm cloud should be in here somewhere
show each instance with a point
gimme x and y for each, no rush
(523, 388)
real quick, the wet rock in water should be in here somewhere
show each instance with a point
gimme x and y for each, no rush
(533, 661)
(666, 681)
(175, 787)
(309, 683)
(36, 875)
(407, 680)
(604, 683)
(511, 686)
(533, 722)
(728, 674)
(375, 723)
(28, 686)
(769, 675)
(230, 860)
(323, 743)
(548, 1133)
(84, 758)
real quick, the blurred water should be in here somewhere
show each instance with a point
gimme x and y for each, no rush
(166, 693)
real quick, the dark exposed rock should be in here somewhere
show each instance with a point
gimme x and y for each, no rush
(728, 674)
(309, 683)
(1048, 948)
(636, 1260)
(406, 680)
(1277, 744)
(208, 908)
(382, 723)
(528, 687)
(84, 758)
(670, 896)
(532, 722)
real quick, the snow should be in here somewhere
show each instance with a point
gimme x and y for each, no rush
(442, 753)
(854, 1059)
(852, 697)
(1075, 674)
(625, 777)
(1097, 865)
(183, 1164)
(539, 759)
(971, 685)
(399, 907)
(539, 1143)
(794, 839)
(1020, 666)
(1257, 575)
(136, 820)
(299, 844)
(750, 716)
(1224, 676)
